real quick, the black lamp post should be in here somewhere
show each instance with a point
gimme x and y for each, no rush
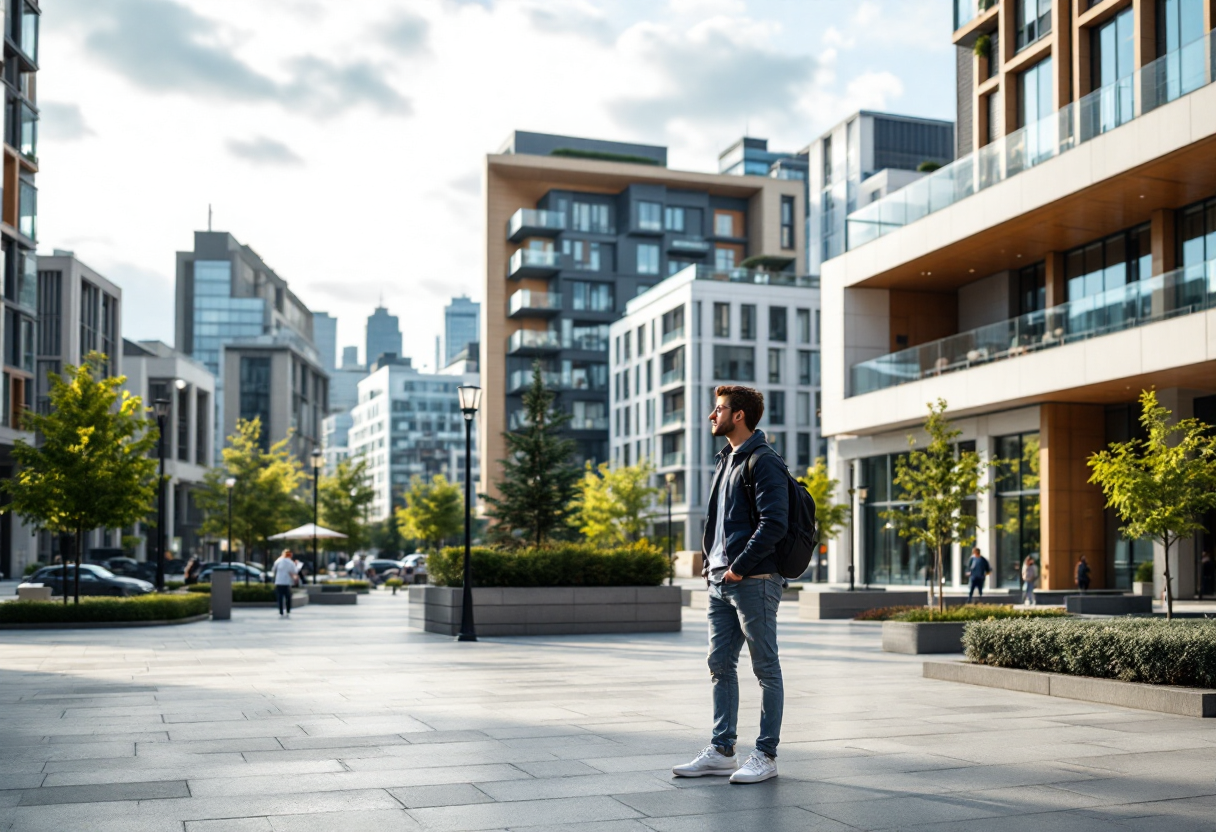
(162, 408)
(861, 498)
(230, 484)
(470, 400)
(670, 479)
(318, 461)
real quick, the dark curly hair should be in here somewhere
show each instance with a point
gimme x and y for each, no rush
(747, 399)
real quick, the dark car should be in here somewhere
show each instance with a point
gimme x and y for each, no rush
(386, 569)
(130, 568)
(240, 570)
(94, 580)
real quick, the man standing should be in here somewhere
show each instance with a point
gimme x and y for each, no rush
(1082, 574)
(978, 567)
(747, 516)
(284, 572)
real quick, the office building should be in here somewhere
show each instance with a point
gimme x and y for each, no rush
(325, 337)
(155, 370)
(350, 357)
(241, 321)
(751, 157)
(681, 339)
(383, 336)
(461, 326)
(335, 438)
(1060, 266)
(464, 362)
(862, 159)
(575, 228)
(408, 424)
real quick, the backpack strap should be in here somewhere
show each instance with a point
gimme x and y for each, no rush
(749, 483)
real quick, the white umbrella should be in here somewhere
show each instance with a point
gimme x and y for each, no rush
(307, 532)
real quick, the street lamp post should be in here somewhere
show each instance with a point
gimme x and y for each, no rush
(670, 480)
(318, 460)
(230, 484)
(162, 408)
(470, 400)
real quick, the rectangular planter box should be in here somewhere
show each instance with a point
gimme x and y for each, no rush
(331, 599)
(525, 611)
(818, 606)
(298, 599)
(1193, 702)
(917, 637)
(1109, 604)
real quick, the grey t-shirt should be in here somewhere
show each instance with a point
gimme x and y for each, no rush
(718, 562)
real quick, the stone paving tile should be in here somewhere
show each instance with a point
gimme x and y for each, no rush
(557, 768)
(768, 819)
(382, 820)
(347, 780)
(424, 797)
(594, 784)
(105, 792)
(524, 813)
(198, 770)
(230, 825)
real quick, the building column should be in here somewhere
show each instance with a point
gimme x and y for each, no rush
(985, 505)
(1162, 231)
(1057, 285)
(1071, 509)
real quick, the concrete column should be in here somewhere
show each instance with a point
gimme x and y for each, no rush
(1163, 234)
(1057, 285)
(985, 506)
(1071, 509)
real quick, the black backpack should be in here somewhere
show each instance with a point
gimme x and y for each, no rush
(794, 551)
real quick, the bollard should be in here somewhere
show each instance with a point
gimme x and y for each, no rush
(221, 595)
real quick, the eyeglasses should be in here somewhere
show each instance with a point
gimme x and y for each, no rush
(721, 408)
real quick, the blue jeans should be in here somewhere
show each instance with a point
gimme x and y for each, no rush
(1028, 590)
(283, 594)
(976, 585)
(739, 612)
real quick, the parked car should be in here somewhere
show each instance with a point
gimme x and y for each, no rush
(416, 563)
(94, 580)
(386, 568)
(125, 567)
(240, 570)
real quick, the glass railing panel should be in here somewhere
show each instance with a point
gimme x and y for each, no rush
(672, 459)
(535, 218)
(675, 334)
(672, 376)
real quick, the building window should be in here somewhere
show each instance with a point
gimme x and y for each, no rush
(747, 322)
(202, 427)
(585, 255)
(776, 357)
(778, 321)
(725, 257)
(696, 318)
(803, 460)
(255, 393)
(802, 409)
(776, 407)
(1032, 21)
(802, 320)
(1032, 288)
(593, 297)
(1108, 264)
(674, 266)
(27, 222)
(183, 424)
(587, 217)
(650, 216)
(721, 320)
(724, 224)
(673, 219)
(1034, 94)
(1113, 61)
(827, 161)
(648, 259)
(888, 557)
(787, 222)
(734, 363)
(1017, 505)
(1197, 234)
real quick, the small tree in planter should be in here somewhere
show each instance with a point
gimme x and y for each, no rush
(434, 511)
(934, 483)
(1160, 485)
(830, 516)
(612, 503)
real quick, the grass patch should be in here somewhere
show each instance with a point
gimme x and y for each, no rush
(1152, 651)
(561, 564)
(95, 609)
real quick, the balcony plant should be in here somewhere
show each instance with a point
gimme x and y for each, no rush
(983, 46)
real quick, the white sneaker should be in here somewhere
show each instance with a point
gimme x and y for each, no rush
(758, 767)
(708, 762)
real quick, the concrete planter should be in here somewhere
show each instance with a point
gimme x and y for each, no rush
(1143, 588)
(1109, 604)
(917, 637)
(334, 599)
(1193, 702)
(818, 606)
(298, 599)
(528, 611)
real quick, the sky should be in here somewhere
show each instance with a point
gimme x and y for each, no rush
(345, 142)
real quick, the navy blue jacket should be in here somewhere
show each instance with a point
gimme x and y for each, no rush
(749, 548)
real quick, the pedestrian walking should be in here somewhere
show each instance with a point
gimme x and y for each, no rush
(1207, 574)
(1082, 574)
(1030, 574)
(193, 568)
(977, 570)
(747, 517)
(285, 572)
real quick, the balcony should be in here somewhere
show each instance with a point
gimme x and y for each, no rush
(522, 380)
(588, 423)
(672, 377)
(527, 303)
(534, 262)
(674, 459)
(673, 335)
(1170, 295)
(687, 246)
(533, 342)
(756, 277)
(673, 419)
(1164, 80)
(534, 222)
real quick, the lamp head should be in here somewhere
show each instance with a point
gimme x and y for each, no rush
(230, 483)
(317, 459)
(670, 479)
(862, 493)
(180, 384)
(470, 399)
(162, 407)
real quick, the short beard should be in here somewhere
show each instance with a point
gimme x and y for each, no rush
(719, 431)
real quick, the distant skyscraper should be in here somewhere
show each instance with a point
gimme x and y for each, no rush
(350, 357)
(325, 336)
(462, 325)
(383, 335)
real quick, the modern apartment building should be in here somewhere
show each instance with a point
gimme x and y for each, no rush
(862, 159)
(1037, 284)
(240, 319)
(155, 370)
(325, 337)
(383, 336)
(692, 332)
(461, 327)
(408, 424)
(575, 228)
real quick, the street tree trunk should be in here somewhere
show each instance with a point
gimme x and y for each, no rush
(941, 598)
(79, 551)
(1169, 590)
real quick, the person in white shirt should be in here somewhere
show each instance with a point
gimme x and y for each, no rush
(285, 571)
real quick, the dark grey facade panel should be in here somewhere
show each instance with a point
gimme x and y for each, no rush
(966, 102)
(543, 144)
(905, 143)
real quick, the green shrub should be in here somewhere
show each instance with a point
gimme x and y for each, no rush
(90, 609)
(1144, 572)
(350, 584)
(393, 582)
(883, 613)
(252, 593)
(205, 588)
(560, 564)
(975, 612)
(171, 585)
(1130, 649)
(31, 568)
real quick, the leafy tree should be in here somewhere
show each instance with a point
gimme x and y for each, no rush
(538, 484)
(934, 483)
(265, 497)
(613, 503)
(433, 511)
(1162, 484)
(344, 501)
(387, 540)
(830, 516)
(93, 464)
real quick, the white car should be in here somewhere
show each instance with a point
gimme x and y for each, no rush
(418, 562)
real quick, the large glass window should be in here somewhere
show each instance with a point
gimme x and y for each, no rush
(587, 216)
(726, 224)
(724, 258)
(29, 131)
(1035, 105)
(650, 216)
(1113, 57)
(673, 219)
(255, 392)
(1179, 22)
(585, 255)
(888, 558)
(1032, 19)
(584, 336)
(802, 409)
(29, 32)
(595, 297)
(648, 259)
(1109, 263)
(776, 358)
(28, 214)
(1032, 288)
(787, 222)
(802, 321)
(778, 323)
(808, 368)
(734, 363)
(775, 409)
(747, 321)
(1197, 234)
(1017, 505)
(721, 320)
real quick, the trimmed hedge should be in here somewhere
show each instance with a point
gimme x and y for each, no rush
(1144, 572)
(350, 584)
(240, 593)
(883, 613)
(561, 564)
(1152, 651)
(31, 568)
(975, 612)
(97, 609)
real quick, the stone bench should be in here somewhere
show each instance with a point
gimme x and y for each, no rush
(33, 592)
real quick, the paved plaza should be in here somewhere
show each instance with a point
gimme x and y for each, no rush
(342, 719)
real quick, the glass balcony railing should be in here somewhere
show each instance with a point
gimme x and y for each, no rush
(671, 377)
(755, 276)
(673, 459)
(537, 261)
(673, 335)
(528, 300)
(522, 380)
(967, 10)
(1170, 295)
(675, 417)
(1160, 82)
(532, 340)
(531, 222)
(588, 423)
